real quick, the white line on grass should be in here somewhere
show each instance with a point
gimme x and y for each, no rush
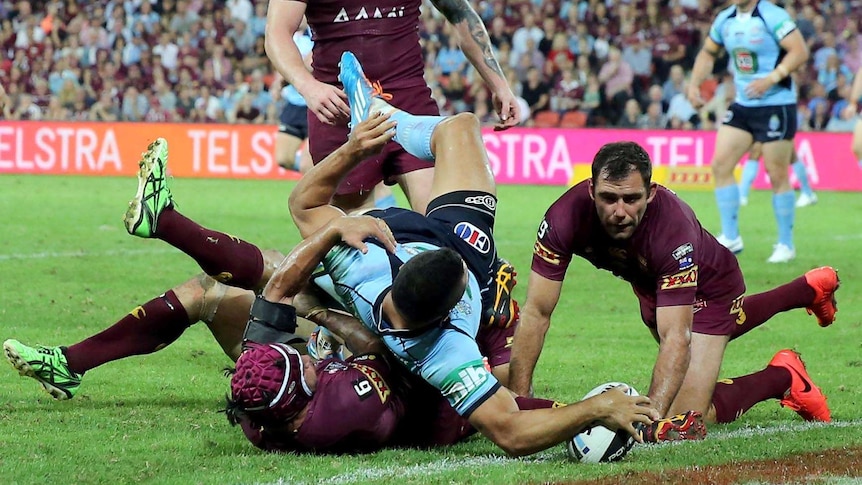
(83, 254)
(453, 464)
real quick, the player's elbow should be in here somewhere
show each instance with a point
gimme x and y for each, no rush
(506, 437)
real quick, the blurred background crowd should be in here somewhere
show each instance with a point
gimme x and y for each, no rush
(573, 62)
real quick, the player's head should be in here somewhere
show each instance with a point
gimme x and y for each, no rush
(428, 286)
(621, 186)
(272, 383)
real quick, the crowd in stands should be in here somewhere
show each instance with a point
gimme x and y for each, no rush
(572, 62)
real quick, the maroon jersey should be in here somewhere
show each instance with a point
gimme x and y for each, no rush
(354, 409)
(669, 260)
(383, 34)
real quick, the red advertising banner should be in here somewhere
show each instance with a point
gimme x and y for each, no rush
(517, 156)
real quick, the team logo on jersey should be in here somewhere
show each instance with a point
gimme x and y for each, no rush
(486, 200)
(681, 251)
(774, 126)
(365, 13)
(473, 236)
(744, 60)
(683, 279)
(546, 254)
(728, 115)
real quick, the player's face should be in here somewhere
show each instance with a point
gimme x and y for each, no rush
(744, 5)
(621, 204)
(309, 370)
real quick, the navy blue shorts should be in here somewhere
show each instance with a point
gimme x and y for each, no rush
(293, 121)
(765, 123)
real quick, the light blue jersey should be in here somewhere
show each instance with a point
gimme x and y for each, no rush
(446, 356)
(752, 42)
(304, 44)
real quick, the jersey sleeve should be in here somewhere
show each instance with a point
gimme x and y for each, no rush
(715, 28)
(552, 252)
(451, 362)
(779, 22)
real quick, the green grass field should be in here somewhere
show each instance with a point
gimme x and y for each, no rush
(68, 269)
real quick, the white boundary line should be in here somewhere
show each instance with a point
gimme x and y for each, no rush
(443, 465)
(84, 254)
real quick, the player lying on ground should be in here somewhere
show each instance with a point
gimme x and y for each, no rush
(425, 298)
(690, 288)
(403, 413)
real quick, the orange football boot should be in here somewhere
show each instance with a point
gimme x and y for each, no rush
(825, 282)
(803, 396)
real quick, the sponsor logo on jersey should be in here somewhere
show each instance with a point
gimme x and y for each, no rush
(138, 312)
(473, 236)
(463, 381)
(698, 306)
(365, 13)
(546, 254)
(744, 60)
(683, 279)
(685, 262)
(486, 200)
(681, 251)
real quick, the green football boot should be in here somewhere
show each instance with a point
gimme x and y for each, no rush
(45, 364)
(154, 194)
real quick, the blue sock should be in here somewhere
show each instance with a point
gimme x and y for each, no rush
(802, 175)
(784, 206)
(413, 132)
(728, 208)
(297, 159)
(385, 202)
(749, 173)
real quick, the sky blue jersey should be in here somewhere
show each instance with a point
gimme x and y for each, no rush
(752, 42)
(447, 355)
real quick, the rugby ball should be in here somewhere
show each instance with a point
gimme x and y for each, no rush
(597, 443)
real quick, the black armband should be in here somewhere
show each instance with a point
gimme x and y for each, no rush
(270, 322)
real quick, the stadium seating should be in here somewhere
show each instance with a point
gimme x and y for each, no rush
(573, 119)
(546, 119)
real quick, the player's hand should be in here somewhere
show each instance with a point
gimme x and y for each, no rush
(693, 96)
(327, 102)
(618, 410)
(354, 230)
(507, 108)
(369, 137)
(758, 87)
(849, 111)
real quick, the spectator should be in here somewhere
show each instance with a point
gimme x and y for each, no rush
(828, 75)
(631, 115)
(528, 31)
(535, 91)
(852, 52)
(498, 33)
(455, 89)
(549, 31)
(639, 57)
(592, 96)
(567, 93)
(616, 77)
(26, 109)
(168, 51)
(667, 51)
(680, 113)
(654, 118)
(135, 104)
(581, 42)
(450, 58)
(105, 108)
(827, 49)
(220, 65)
(241, 36)
(240, 10)
(674, 84)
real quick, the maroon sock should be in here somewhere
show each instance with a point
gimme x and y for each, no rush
(527, 403)
(731, 399)
(144, 330)
(226, 258)
(761, 307)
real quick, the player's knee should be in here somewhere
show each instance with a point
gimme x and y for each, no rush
(463, 122)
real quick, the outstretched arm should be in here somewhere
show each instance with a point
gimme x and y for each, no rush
(476, 45)
(309, 202)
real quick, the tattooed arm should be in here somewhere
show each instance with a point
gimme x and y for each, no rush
(476, 44)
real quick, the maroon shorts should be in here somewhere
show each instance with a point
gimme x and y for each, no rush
(710, 317)
(392, 161)
(495, 343)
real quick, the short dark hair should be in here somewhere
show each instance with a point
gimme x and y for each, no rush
(617, 160)
(429, 285)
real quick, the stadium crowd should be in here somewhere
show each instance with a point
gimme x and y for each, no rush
(573, 63)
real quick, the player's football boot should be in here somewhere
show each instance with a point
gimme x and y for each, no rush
(825, 282)
(781, 253)
(735, 245)
(686, 426)
(743, 200)
(45, 364)
(322, 344)
(360, 91)
(505, 309)
(805, 200)
(803, 396)
(153, 195)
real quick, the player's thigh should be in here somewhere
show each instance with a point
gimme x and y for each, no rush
(707, 352)
(461, 163)
(756, 151)
(731, 143)
(416, 185)
(776, 158)
(857, 139)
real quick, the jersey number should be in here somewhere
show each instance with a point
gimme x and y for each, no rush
(362, 388)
